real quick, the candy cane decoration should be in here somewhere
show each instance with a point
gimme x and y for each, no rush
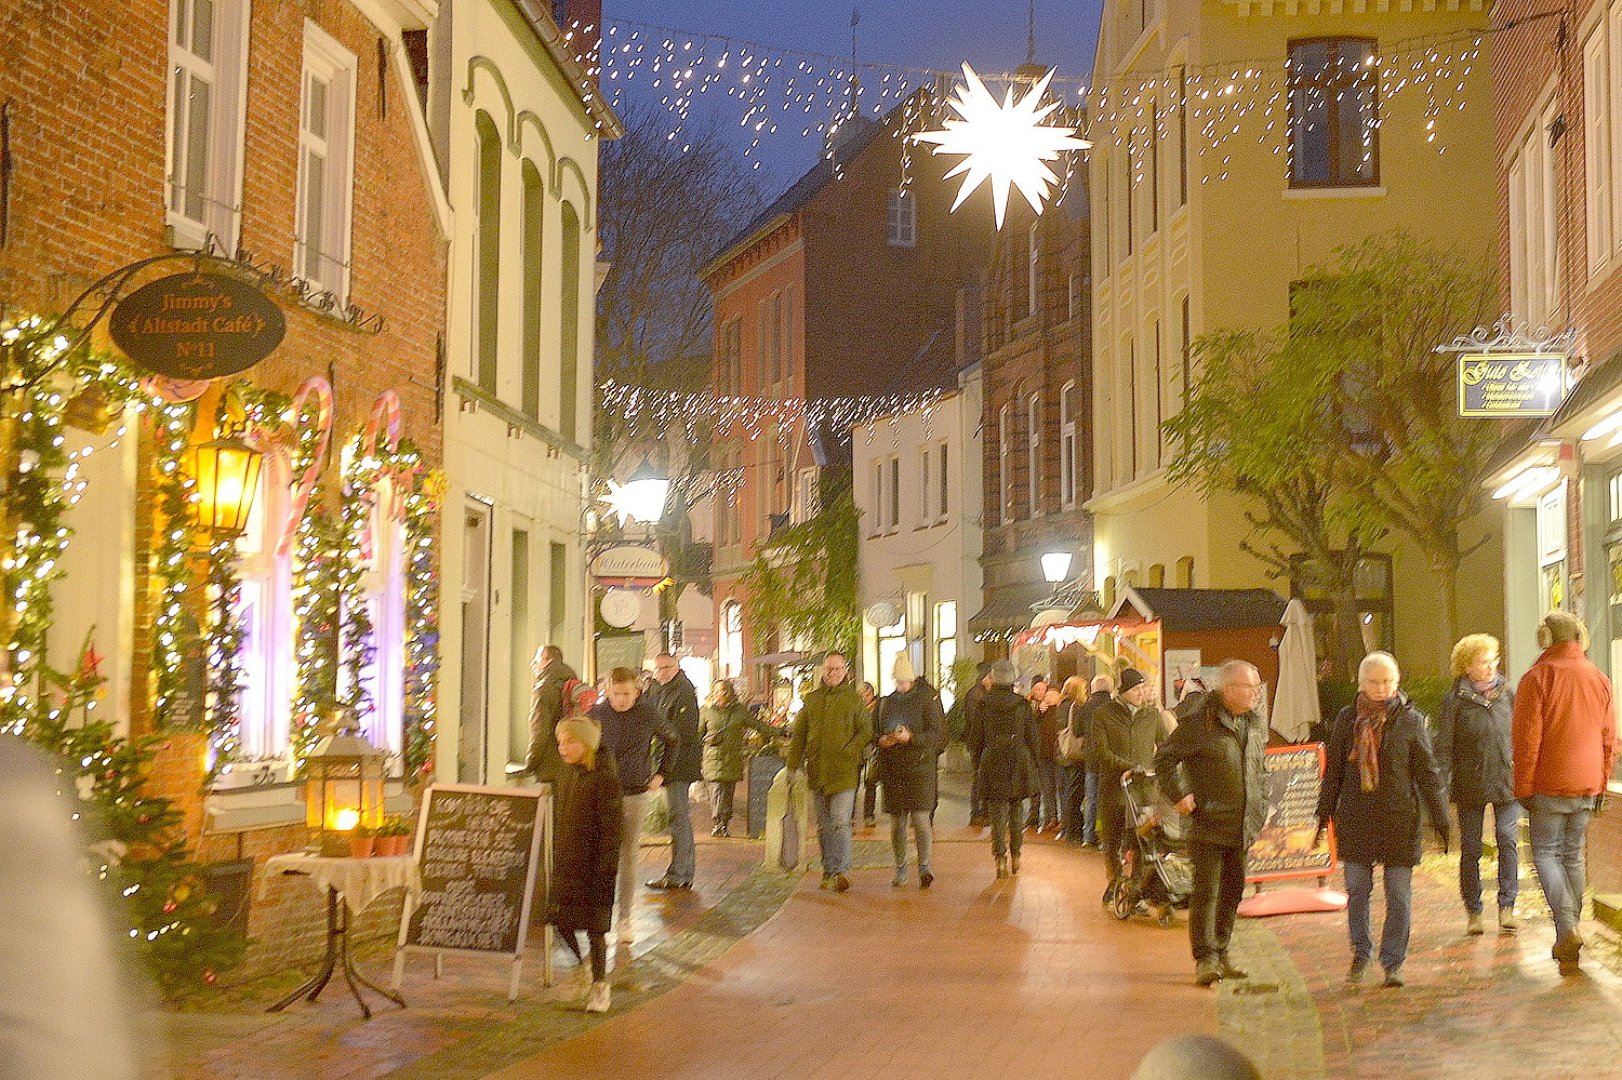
(384, 420)
(320, 389)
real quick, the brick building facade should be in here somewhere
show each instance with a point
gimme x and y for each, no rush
(847, 284)
(317, 164)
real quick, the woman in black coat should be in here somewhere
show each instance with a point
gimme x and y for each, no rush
(907, 733)
(585, 847)
(1473, 750)
(1380, 764)
(1003, 741)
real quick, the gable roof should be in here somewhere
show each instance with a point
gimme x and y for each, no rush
(1202, 609)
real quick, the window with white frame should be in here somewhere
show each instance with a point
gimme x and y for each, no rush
(943, 499)
(926, 490)
(945, 637)
(208, 75)
(901, 218)
(1033, 452)
(875, 501)
(785, 335)
(806, 502)
(326, 163)
(729, 656)
(265, 610)
(892, 489)
(1597, 146)
(1534, 253)
(1005, 462)
(1067, 446)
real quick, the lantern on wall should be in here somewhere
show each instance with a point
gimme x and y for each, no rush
(226, 472)
(344, 786)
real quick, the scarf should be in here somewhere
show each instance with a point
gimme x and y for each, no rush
(1490, 690)
(1367, 730)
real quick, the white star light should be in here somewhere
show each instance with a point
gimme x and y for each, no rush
(1006, 143)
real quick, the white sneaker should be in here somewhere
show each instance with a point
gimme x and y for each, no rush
(598, 1001)
(624, 933)
(579, 983)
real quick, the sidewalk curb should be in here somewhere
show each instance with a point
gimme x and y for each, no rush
(1271, 1016)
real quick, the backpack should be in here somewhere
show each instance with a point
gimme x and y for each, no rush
(1072, 746)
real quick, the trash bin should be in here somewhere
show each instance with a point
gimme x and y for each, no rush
(762, 769)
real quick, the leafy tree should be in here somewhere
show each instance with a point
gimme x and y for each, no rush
(1341, 425)
(802, 582)
(1261, 424)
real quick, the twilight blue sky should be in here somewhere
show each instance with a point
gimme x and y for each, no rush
(990, 34)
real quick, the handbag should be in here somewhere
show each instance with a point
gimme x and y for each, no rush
(1072, 747)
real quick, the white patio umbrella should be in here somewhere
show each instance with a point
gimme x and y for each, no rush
(1295, 709)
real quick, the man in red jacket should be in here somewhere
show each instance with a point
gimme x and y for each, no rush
(1565, 742)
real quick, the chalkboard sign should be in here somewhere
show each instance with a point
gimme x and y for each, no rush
(481, 851)
(1284, 847)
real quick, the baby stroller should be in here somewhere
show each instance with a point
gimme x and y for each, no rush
(1156, 873)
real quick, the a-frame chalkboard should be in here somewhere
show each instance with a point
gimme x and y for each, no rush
(481, 851)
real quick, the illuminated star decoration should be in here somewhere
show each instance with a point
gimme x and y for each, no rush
(1006, 143)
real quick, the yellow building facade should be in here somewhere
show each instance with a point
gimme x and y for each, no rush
(1237, 144)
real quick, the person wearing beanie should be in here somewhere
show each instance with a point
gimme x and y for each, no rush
(1564, 736)
(908, 727)
(587, 808)
(1003, 742)
(1123, 737)
(972, 698)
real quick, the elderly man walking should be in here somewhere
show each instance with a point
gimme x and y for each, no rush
(830, 734)
(548, 704)
(1564, 736)
(1213, 768)
(673, 694)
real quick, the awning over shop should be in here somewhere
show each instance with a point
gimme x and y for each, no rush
(1598, 392)
(1008, 608)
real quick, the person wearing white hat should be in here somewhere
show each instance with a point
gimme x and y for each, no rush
(907, 731)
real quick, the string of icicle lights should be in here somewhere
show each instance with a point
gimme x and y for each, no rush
(779, 90)
(704, 410)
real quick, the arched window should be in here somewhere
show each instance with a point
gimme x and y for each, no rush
(534, 281)
(569, 379)
(1185, 572)
(487, 255)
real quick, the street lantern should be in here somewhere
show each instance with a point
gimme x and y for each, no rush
(1055, 566)
(226, 472)
(343, 790)
(643, 495)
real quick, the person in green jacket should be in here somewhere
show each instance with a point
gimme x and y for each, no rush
(721, 727)
(831, 732)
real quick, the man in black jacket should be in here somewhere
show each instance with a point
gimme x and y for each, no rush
(547, 705)
(1213, 768)
(971, 701)
(673, 694)
(631, 728)
(1082, 725)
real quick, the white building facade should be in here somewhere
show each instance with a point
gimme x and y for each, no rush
(516, 125)
(918, 486)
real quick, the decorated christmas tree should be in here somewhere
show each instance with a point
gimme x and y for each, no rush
(135, 843)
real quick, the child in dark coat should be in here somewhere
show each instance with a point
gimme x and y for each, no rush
(585, 851)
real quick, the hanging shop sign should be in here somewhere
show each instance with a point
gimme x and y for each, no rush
(197, 325)
(620, 608)
(1511, 384)
(630, 562)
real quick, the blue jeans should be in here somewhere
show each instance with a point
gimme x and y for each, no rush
(683, 861)
(1045, 804)
(1089, 810)
(833, 828)
(1399, 882)
(1070, 802)
(1558, 835)
(1506, 819)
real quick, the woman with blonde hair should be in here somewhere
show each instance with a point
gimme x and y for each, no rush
(1379, 766)
(587, 809)
(1474, 752)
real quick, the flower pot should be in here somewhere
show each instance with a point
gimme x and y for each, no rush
(361, 847)
(391, 845)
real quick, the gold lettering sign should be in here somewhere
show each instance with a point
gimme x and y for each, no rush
(1511, 384)
(197, 326)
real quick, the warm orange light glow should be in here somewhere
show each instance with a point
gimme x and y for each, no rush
(346, 819)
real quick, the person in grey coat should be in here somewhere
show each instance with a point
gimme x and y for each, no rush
(1379, 768)
(721, 728)
(674, 695)
(1122, 737)
(1474, 751)
(907, 732)
(1003, 741)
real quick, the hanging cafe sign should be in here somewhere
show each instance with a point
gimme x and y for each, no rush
(1507, 373)
(197, 325)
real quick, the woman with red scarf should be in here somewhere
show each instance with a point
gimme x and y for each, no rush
(1379, 757)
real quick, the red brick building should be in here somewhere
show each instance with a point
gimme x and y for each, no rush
(1037, 445)
(1557, 88)
(847, 284)
(294, 135)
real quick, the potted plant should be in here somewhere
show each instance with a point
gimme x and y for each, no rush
(395, 838)
(361, 842)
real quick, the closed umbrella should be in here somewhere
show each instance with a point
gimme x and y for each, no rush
(1295, 709)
